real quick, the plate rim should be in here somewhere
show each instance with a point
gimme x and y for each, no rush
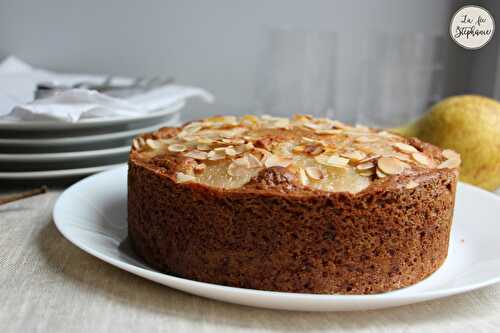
(64, 156)
(59, 173)
(47, 125)
(180, 282)
(86, 139)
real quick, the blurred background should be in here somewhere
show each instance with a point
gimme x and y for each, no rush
(378, 62)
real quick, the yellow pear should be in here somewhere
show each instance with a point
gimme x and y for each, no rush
(470, 125)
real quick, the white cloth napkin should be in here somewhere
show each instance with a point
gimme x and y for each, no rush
(18, 82)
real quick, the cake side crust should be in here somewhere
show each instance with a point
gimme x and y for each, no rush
(377, 240)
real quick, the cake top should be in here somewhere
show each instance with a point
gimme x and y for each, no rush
(302, 153)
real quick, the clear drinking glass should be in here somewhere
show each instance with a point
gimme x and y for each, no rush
(374, 78)
(296, 74)
(402, 75)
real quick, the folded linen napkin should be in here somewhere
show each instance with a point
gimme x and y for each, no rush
(18, 82)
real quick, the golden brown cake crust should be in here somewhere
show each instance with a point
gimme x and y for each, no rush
(274, 234)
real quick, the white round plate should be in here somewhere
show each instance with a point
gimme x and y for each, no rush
(63, 157)
(87, 123)
(84, 139)
(92, 214)
(51, 174)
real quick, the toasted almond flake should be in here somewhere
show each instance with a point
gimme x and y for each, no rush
(451, 154)
(249, 120)
(386, 134)
(332, 160)
(370, 158)
(298, 149)
(192, 128)
(422, 159)
(203, 147)
(356, 155)
(230, 151)
(366, 149)
(314, 173)
(327, 131)
(153, 144)
(391, 165)
(411, 184)
(273, 160)
(311, 140)
(313, 150)
(449, 164)
(197, 155)
(280, 123)
(405, 148)
(380, 174)
(182, 177)
(365, 166)
(304, 180)
(362, 128)
(366, 139)
(338, 124)
(136, 144)
(367, 173)
(215, 155)
(177, 148)
(206, 141)
(335, 160)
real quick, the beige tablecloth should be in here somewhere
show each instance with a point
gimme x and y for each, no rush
(49, 285)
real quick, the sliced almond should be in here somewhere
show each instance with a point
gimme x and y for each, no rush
(203, 147)
(355, 155)
(230, 151)
(338, 124)
(216, 155)
(405, 148)
(191, 128)
(451, 154)
(304, 180)
(177, 148)
(411, 184)
(367, 172)
(365, 166)
(153, 144)
(314, 173)
(327, 131)
(273, 160)
(182, 177)
(313, 150)
(332, 160)
(298, 149)
(366, 139)
(422, 159)
(449, 164)
(380, 174)
(136, 144)
(197, 155)
(391, 165)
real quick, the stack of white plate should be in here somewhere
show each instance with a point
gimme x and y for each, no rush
(50, 149)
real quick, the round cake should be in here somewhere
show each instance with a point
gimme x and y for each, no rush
(307, 205)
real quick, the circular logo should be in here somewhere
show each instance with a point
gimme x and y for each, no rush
(472, 27)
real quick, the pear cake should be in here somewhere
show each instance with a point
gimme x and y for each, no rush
(306, 205)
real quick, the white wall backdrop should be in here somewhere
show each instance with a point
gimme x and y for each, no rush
(212, 44)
